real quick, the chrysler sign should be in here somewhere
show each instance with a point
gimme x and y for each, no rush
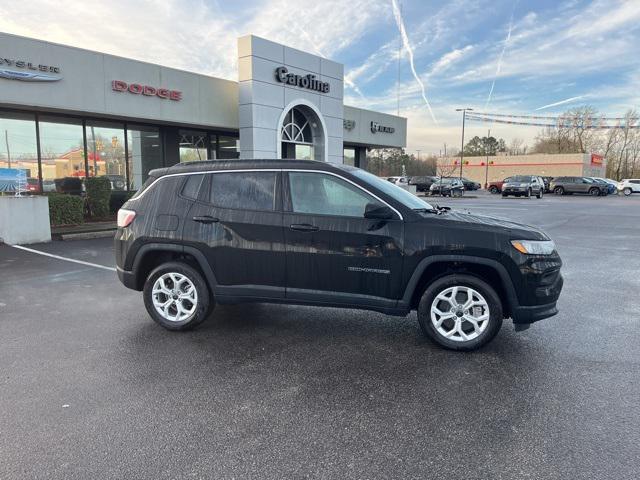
(308, 81)
(15, 69)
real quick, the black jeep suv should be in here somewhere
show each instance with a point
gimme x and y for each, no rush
(313, 233)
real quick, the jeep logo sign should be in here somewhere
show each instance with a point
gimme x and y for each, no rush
(308, 81)
(376, 127)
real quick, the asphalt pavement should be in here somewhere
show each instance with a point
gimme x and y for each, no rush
(91, 388)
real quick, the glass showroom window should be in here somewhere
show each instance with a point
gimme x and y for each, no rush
(18, 147)
(62, 154)
(228, 147)
(349, 156)
(193, 146)
(296, 136)
(106, 152)
(145, 153)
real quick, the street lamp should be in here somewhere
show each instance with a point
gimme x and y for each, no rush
(464, 114)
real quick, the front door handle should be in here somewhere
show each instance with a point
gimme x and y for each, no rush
(205, 219)
(304, 227)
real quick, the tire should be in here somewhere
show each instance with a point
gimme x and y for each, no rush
(594, 192)
(491, 306)
(528, 194)
(558, 191)
(504, 195)
(627, 191)
(202, 306)
(493, 189)
(540, 194)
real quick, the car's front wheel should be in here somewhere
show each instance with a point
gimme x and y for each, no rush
(594, 192)
(540, 193)
(460, 312)
(176, 296)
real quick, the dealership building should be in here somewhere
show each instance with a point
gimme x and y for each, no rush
(69, 112)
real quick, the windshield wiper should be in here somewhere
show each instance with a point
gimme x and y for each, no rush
(437, 210)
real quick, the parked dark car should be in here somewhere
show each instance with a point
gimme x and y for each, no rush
(422, 183)
(611, 188)
(304, 232)
(470, 185)
(571, 185)
(447, 187)
(523, 186)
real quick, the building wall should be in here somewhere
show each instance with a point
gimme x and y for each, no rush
(85, 86)
(358, 128)
(264, 100)
(500, 167)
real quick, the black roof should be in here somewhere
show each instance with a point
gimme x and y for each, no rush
(234, 164)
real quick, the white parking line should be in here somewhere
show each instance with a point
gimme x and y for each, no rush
(73, 260)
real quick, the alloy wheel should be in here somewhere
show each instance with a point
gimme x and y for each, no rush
(174, 297)
(460, 313)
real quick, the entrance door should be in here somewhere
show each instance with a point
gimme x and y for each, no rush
(332, 250)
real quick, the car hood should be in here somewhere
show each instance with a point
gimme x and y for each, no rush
(477, 222)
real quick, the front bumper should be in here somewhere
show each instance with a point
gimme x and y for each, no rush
(514, 190)
(546, 300)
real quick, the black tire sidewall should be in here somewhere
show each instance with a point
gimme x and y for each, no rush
(203, 309)
(489, 294)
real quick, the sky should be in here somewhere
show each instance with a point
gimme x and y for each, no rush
(427, 57)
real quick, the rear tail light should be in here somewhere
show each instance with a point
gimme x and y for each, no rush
(125, 217)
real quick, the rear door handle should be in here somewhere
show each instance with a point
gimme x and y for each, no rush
(304, 227)
(205, 219)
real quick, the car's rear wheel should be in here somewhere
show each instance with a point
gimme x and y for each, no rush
(493, 189)
(460, 312)
(594, 192)
(176, 296)
(627, 191)
(558, 191)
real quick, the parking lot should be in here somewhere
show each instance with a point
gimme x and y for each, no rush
(91, 388)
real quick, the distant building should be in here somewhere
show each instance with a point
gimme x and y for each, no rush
(500, 167)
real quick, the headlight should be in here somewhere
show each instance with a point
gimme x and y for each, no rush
(534, 247)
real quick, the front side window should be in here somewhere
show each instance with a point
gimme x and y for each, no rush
(243, 190)
(321, 194)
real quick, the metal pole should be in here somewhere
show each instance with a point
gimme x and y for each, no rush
(464, 114)
(6, 141)
(418, 154)
(486, 172)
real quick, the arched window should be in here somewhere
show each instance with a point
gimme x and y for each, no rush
(296, 128)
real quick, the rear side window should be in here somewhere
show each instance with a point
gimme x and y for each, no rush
(192, 186)
(243, 190)
(144, 186)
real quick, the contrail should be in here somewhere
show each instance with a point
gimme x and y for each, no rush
(499, 66)
(407, 46)
(561, 102)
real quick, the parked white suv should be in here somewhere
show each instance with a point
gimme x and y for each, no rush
(629, 186)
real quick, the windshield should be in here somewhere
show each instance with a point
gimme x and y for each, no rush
(399, 194)
(520, 178)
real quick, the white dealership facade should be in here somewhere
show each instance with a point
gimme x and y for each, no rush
(67, 112)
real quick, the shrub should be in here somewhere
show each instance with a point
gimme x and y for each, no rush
(65, 209)
(118, 198)
(98, 193)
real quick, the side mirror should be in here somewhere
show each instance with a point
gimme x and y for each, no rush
(376, 211)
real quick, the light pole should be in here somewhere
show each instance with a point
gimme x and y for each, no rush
(464, 115)
(486, 171)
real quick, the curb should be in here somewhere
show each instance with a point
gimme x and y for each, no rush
(85, 235)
